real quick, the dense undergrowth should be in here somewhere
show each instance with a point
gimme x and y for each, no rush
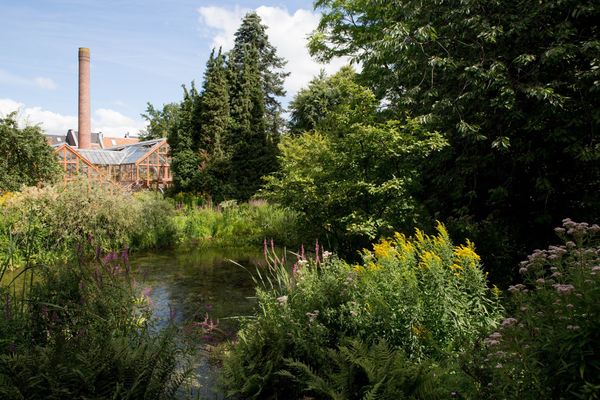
(47, 224)
(83, 331)
(416, 319)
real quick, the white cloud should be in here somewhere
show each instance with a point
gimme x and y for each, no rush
(41, 82)
(113, 123)
(287, 32)
(110, 122)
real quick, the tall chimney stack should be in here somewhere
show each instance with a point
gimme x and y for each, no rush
(84, 124)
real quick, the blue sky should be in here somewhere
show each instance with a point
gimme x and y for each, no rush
(141, 51)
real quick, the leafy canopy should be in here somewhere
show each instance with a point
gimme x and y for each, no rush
(352, 178)
(25, 157)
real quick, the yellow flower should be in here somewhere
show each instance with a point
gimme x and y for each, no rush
(373, 267)
(359, 269)
(466, 254)
(456, 267)
(428, 258)
(496, 292)
(383, 249)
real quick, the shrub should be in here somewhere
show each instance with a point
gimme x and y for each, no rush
(82, 331)
(550, 345)
(423, 296)
(47, 225)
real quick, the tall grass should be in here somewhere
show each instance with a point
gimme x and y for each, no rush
(230, 224)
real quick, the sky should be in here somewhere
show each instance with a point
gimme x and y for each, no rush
(141, 51)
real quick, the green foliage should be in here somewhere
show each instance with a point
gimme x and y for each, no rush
(332, 104)
(358, 371)
(48, 224)
(214, 133)
(513, 87)
(185, 162)
(353, 178)
(230, 224)
(442, 308)
(160, 122)
(252, 35)
(549, 346)
(25, 157)
(81, 331)
(253, 152)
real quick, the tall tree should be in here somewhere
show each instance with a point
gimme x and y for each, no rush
(253, 33)
(214, 113)
(351, 178)
(253, 153)
(214, 105)
(25, 157)
(159, 121)
(514, 87)
(185, 161)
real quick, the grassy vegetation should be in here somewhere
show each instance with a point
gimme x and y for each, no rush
(230, 224)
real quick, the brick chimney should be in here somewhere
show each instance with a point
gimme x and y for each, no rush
(84, 124)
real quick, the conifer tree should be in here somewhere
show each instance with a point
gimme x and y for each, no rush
(214, 115)
(253, 155)
(252, 32)
(183, 142)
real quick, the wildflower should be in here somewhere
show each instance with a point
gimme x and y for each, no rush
(570, 306)
(556, 274)
(509, 322)
(540, 281)
(563, 289)
(312, 315)
(573, 327)
(522, 270)
(499, 365)
(491, 342)
(282, 300)
(382, 249)
(596, 268)
(326, 255)
(516, 288)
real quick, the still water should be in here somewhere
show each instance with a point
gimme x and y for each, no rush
(186, 284)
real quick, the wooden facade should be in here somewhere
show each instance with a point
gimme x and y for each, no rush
(145, 164)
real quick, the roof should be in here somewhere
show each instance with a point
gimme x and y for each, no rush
(108, 142)
(123, 154)
(54, 140)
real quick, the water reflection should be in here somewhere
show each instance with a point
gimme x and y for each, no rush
(186, 284)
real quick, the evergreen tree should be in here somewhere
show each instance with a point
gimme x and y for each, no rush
(214, 106)
(253, 154)
(215, 117)
(252, 32)
(183, 142)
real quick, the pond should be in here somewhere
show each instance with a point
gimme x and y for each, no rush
(187, 284)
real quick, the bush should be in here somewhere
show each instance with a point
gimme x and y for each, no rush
(47, 225)
(549, 347)
(82, 331)
(423, 296)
